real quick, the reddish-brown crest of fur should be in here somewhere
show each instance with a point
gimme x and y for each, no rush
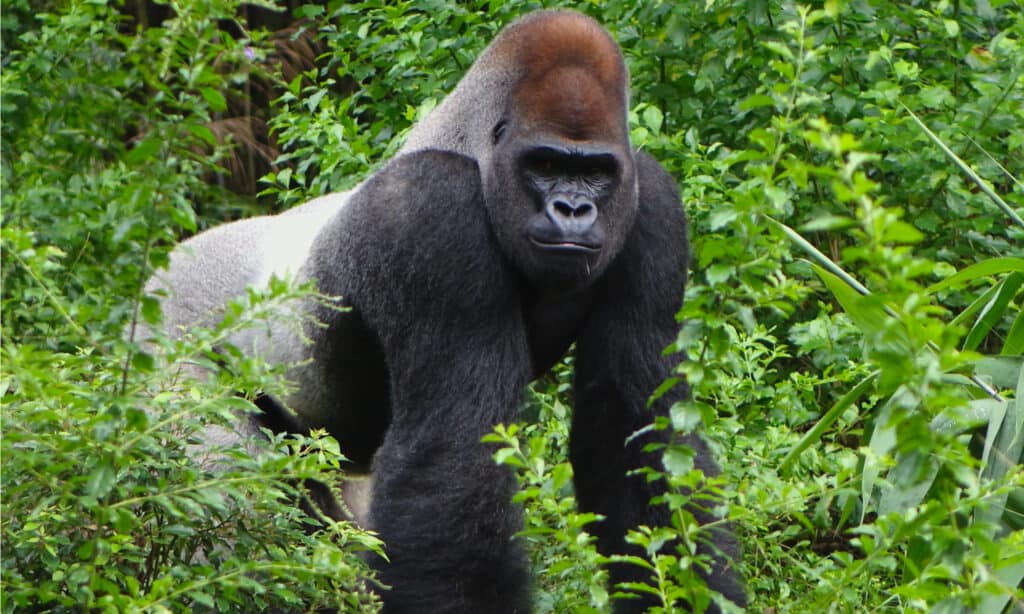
(574, 81)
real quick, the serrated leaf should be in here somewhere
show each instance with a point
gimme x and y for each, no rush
(101, 480)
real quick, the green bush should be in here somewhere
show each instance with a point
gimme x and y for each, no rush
(852, 333)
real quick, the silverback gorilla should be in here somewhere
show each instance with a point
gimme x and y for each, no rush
(515, 221)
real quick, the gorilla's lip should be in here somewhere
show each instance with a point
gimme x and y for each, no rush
(567, 247)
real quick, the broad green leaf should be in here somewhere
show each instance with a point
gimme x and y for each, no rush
(904, 488)
(985, 268)
(993, 312)
(214, 98)
(204, 133)
(1003, 371)
(1014, 344)
(882, 443)
(145, 149)
(829, 222)
(755, 101)
(101, 480)
(1004, 443)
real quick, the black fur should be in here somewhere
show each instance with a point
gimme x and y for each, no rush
(448, 332)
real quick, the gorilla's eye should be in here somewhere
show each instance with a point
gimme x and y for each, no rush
(498, 131)
(543, 162)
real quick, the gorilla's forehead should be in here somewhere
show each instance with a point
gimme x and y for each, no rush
(573, 79)
(570, 102)
(551, 38)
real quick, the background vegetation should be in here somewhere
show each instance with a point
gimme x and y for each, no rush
(852, 171)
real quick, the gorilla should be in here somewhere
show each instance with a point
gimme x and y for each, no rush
(515, 221)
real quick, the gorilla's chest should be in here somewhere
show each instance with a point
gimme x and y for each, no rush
(552, 323)
(346, 386)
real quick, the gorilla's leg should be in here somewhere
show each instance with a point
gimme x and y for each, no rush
(413, 254)
(619, 364)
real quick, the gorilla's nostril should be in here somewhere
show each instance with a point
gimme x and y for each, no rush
(583, 210)
(563, 208)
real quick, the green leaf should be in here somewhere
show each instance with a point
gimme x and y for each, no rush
(653, 118)
(1011, 573)
(829, 222)
(1003, 371)
(993, 312)
(901, 232)
(678, 461)
(981, 183)
(143, 361)
(144, 150)
(986, 268)
(214, 98)
(882, 442)
(779, 49)
(867, 312)
(756, 101)
(1004, 444)
(814, 435)
(905, 487)
(204, 133)
(150, 310)
(101, 480)
(508, 456)
(1014, 344)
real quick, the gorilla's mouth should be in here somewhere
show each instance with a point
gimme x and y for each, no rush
(567, 248)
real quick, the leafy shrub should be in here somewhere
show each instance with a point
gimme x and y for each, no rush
(853, 324)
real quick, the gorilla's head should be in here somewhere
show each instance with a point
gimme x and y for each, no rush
(543, 111)
(559, 179)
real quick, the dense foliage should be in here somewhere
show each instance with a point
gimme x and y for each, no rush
(853, 325)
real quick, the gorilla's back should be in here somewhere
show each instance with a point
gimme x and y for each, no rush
(217, 265)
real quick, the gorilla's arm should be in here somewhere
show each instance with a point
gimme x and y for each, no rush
(619, 364)
(413, 254)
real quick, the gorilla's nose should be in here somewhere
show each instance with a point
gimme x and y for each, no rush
(574, 216)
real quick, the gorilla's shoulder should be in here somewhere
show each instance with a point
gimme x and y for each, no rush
(426, 166)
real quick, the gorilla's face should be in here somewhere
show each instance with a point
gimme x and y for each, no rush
(560, 207)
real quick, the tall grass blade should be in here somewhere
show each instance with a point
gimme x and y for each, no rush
(981, 183)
